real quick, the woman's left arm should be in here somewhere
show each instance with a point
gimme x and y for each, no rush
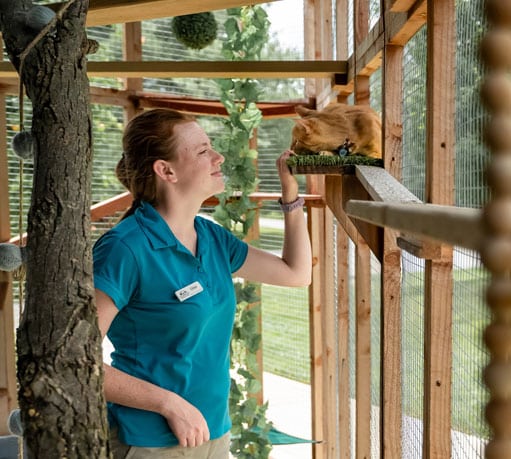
(293, 268)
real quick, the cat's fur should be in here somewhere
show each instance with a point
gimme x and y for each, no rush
(337, 125)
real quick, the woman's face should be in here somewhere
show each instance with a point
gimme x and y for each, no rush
(196, 164)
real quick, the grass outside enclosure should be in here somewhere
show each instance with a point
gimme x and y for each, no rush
(286, 344)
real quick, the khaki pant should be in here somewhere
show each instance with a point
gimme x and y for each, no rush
(213, 449)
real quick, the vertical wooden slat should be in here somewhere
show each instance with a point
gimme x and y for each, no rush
(362, 271)
(132, 51)
(309, 44)
(329, 341)
(440, 127)
(391, 263)
(343, 365)
(315, 223)
(363, 349)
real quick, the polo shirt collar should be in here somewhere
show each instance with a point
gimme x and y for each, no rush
(161, 236)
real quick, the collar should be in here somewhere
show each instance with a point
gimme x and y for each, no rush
(159, 234)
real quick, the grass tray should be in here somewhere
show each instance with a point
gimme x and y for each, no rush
(330, 165)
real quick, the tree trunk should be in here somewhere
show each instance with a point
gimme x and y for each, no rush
(59, 345)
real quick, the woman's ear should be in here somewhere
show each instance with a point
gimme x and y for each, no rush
(164, 170)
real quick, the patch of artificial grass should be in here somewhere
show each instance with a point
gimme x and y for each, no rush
(333, 160)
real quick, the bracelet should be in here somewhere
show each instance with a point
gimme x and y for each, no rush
(290, 206)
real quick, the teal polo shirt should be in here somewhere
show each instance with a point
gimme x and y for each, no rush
(181, 345)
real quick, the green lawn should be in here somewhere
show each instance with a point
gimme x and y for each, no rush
(286, 344)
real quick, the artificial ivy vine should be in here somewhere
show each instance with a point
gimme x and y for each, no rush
(247, 32)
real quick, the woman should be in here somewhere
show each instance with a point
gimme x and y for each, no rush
(164, 293)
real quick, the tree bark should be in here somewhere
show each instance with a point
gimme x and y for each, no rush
(59, 363)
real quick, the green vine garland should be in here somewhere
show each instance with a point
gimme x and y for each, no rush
(247, 33)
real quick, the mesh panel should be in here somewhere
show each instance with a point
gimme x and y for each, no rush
(412, 338)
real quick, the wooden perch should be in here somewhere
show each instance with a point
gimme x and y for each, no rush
(459, 226)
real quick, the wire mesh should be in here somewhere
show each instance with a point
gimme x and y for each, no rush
(469, 279)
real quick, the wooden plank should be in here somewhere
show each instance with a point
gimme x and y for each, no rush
(132, 51)
(309, 37)
(330, 419)
(440, 138)
(460, 226)
(398, 29)
(103, 12)
(337, 190)
(382, 188)
(324, 48)
(315, 223)
(206, 69)
(8, 387)
(401, 5)
(343, 349)
(363, 350)
(341, 30)
(401, 32)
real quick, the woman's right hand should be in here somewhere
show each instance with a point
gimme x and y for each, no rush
(186, 422)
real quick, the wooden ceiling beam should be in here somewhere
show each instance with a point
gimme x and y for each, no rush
(208, 69)
(104, 12)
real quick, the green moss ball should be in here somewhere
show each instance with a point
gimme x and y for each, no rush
(195, 31)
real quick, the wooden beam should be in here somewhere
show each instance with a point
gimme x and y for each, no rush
(343, 340)
(363, 350)
(460, 226)
(382, 186)
(401, 5)
(330, 362)
(390, 280)
(399, 28)
(132, 51)
(206, 69)
(103, 12)
(316, 221)
(439, 189)
(338, 189)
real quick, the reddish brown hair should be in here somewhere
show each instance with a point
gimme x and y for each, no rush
(147, 138)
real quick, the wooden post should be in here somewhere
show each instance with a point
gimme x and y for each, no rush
(309, 37)
(132, 51)
(440, 126)
(343, 362)
(497, 247)
(360, 30)
(391, 263)
(363, 349)
(316, 223)
(330, 425)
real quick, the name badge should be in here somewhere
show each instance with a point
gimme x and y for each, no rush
(190, 290)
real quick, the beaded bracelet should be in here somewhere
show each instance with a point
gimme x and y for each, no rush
(290, 206)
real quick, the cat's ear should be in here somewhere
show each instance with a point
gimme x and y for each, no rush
(304, 125)
(303, 111)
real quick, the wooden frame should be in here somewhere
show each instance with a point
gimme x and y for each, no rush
(371, 208)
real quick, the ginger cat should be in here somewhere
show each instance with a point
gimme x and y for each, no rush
(354, 128)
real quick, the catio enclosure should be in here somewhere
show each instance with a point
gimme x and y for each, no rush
(390, 334)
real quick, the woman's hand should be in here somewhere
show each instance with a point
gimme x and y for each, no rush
(287, 180)
(186, 422)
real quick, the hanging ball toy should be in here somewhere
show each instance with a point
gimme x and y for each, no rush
(11, 257)
(14, 423)
(23, 145)
(195, 31)
(38, 17)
